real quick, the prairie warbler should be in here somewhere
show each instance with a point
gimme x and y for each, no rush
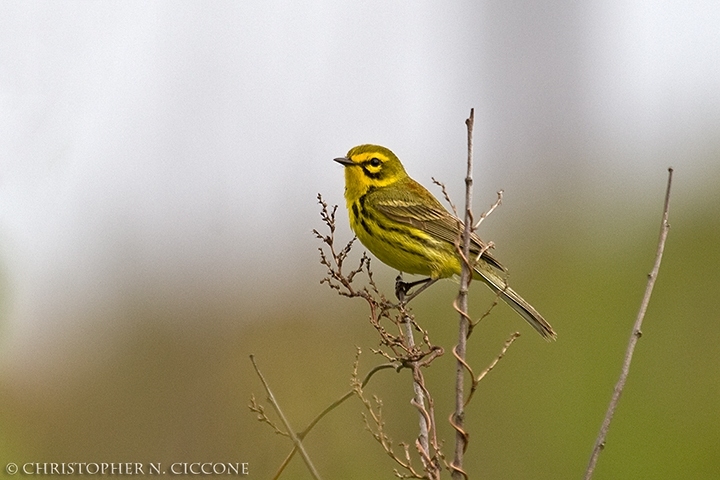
(407, 228)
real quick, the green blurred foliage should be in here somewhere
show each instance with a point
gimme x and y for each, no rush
(167, 394)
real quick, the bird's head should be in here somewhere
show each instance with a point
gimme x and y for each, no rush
(368, 166)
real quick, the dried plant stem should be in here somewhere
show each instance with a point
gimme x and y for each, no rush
(419, 398)
(476, 380)
(426, 418)
(458, 418)
(296, 440)
(328, 409)
(634, 336)
(397, 343)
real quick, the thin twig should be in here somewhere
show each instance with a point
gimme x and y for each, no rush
(262, 417)
(328, 409)
(458, 419)
(484, 215)
(476, 380)
(296, 440)
(349, 394)
(398, 337)
(375, 424)
(419, 398)
(426, 420)
(634, 336)
(445, 194)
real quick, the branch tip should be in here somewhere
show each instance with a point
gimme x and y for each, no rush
(635, 335)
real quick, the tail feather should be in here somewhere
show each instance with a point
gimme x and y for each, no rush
(516, 302)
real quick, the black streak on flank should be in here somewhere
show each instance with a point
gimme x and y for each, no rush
(365, 226)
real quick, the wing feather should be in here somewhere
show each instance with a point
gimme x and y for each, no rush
(426, 213)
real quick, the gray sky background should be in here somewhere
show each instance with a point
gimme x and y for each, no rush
(178, 147)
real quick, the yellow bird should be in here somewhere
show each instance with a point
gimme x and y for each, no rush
(407, 228)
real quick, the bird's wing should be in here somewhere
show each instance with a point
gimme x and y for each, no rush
(420, 209)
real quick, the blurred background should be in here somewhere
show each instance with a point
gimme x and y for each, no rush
(159, 166)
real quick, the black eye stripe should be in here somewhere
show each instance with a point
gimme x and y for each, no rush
(373, 175)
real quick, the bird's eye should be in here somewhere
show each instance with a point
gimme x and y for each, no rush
(375, 162)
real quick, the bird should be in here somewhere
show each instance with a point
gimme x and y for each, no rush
(408, 229)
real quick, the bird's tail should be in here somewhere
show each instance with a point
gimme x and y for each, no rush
(516, 302)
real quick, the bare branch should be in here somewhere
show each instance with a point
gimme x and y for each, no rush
(445, 194)
(427, 435)
(296, 440)
(396, 326)
(419, 400)
(634, 336)
(458, 418)
(333, 406)
(484, 215)
(375, 424)
(262, 417)
(476, 381)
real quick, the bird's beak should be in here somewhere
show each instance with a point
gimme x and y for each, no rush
(346, 162)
